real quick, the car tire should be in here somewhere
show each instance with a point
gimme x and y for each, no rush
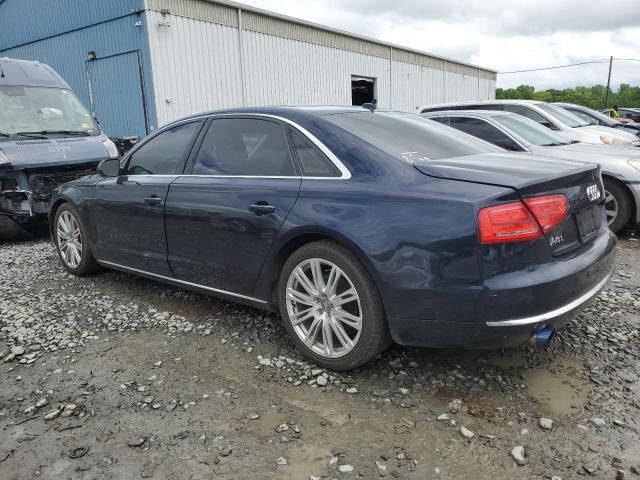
(71, 242)
(357, 329)
(617, 200)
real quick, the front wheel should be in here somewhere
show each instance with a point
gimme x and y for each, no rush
(331, 307)
(71, 242)
(617, 206)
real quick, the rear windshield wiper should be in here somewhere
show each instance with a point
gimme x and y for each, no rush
(57, 132)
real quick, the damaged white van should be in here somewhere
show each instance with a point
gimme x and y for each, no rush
(47, 138)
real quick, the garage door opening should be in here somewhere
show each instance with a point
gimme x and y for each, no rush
(363, 90)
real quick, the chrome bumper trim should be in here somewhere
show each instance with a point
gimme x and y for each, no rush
(543, 317)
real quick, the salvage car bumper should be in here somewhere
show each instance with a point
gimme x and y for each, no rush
(539, 305)
(25, 194)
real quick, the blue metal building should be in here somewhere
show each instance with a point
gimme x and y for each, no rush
(138, 64)
(99, 47)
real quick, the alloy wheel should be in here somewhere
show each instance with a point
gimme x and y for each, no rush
(324, 308)
(610, 207)
(69, 239)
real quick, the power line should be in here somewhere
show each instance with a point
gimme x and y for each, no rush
(604, 60)
(557, 66)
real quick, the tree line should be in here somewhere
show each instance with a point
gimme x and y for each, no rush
(593, 97)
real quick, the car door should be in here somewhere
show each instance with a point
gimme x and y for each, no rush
(224, 214)
(128, 211)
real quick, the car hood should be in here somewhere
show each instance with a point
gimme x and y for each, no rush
(602, 130)
(42, 153)
(522, 172)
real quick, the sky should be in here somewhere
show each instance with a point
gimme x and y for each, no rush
(503, 35)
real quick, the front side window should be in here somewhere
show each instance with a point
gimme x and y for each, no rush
(42, 109)
(592, 115)
(530, 131)
(313, 162)
(530, 113)
(164, 153)
(563, 115)
(485, 131)
(244, 147)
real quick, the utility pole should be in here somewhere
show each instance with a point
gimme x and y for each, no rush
(606, 95)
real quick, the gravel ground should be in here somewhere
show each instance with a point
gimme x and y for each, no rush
(116, 377)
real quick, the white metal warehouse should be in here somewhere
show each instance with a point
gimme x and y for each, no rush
(237, 55)
(139, 64)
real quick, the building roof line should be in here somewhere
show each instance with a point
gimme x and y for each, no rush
(287, 18)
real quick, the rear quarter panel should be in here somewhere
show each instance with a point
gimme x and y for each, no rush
(416, 236)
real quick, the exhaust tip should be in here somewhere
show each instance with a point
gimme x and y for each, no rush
(542, 338)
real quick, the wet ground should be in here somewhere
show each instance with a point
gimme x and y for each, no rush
(141, 380)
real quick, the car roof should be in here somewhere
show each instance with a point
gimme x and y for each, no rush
(289, 111)
(477, 113)
(482, 102)
(29, 74)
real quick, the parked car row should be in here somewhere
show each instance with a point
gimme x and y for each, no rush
(362, 227)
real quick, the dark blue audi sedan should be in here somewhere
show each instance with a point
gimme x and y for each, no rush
(360, 228)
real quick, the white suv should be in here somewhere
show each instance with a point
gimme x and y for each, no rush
(551, 116)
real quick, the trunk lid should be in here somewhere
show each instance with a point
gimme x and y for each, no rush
(532, 176)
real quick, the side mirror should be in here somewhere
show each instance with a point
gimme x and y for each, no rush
(109, 167)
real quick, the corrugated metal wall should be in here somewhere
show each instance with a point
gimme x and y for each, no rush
(197, 66)
(23, 21)
(67, 54)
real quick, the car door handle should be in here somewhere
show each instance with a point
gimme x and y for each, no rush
(153, 200)
(262, 208)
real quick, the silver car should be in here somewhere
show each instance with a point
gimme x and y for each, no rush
(598, 118)
(620, 165)
(549, 115)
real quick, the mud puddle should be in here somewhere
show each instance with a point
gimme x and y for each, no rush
(304, 461)
(559, 388)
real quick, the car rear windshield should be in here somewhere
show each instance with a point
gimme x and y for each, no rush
(410, 137)
(530, 130)
(566, 117)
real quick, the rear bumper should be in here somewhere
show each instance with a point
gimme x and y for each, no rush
(532, 308)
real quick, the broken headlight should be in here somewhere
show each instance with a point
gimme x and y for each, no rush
(112, 150)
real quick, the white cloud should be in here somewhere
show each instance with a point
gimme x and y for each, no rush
(500, 34)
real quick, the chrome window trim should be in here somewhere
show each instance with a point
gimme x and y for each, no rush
(182, 282)
(558, 311)
(345, 174)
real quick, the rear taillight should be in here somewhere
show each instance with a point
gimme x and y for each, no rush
(549, 210)
(509, 222)
(518, 221)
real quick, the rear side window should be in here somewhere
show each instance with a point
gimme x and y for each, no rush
(486, 106)
(165, 153)
(443, 120)
(409, 137)
(244, 147)
(485, 131)
(314, 163)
